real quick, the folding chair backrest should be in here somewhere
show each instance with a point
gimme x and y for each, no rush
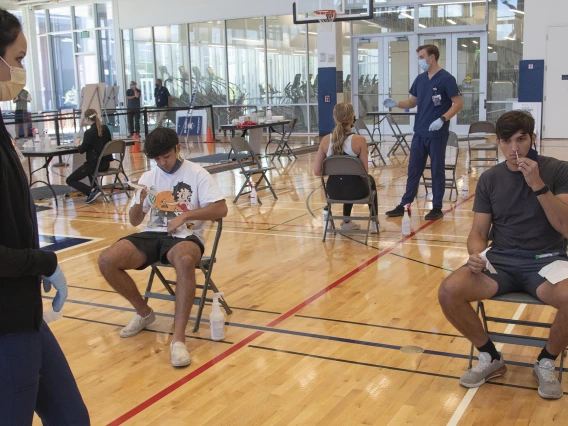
(290, 129)
(351, 171)
(113, 147)
(240, 146)
(482, 127)
(393, 125)
(452, 150)
(360, 127)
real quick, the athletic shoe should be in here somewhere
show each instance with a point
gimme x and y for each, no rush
(483, 371)
(349, 226)
(179, 356)
(434, 214)
(374, 228)
(398, 211)
(130, 135)
(548, 385)
(93, 196)
(137, 325)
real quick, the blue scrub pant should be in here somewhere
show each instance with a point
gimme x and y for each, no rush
(35, 376)
(420, 149)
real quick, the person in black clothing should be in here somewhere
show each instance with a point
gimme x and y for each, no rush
(34, 374)
(133, 104)
(163, 100)
(94, 141)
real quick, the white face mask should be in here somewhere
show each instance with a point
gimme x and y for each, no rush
(10, 89)
(424, 65)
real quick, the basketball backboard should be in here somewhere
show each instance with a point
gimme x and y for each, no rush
(346, 10)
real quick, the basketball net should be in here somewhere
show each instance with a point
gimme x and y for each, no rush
(326, 18)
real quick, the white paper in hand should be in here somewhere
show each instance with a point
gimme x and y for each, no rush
(488, 265)
(555, 272)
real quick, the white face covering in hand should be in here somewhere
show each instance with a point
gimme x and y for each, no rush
(10, 89)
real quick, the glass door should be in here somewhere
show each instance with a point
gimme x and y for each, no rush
(464, 55)
(366, 81)
(470, 70)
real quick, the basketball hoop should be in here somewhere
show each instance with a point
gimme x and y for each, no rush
(326, 18)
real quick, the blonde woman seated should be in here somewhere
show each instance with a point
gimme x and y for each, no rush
(342, 141)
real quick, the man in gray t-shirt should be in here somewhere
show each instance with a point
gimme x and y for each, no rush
(521, 206)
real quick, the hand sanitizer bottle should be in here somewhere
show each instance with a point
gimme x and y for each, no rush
(217, 319)
(406, 222)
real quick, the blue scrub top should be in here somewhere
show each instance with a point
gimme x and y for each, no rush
(443, 86)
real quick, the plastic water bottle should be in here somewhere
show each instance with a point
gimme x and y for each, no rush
(217, 319)
(324, 215)
(37, 142)
(406, 222)
(268, 113)
(467, 161)
(46, 140)
(465, 187)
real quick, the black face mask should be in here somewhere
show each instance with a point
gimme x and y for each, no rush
(532, 154)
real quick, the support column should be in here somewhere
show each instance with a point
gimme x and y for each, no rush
(330, 74)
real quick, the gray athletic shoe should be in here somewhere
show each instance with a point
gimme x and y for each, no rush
(137, 325)
(483, 371)
(548, 385)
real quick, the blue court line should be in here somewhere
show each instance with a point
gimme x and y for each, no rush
(386, 367)
(206, 304)
(301, 334)
(146, 329)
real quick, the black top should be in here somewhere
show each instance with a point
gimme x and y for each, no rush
(21, 260)
(518, 220)
(162, 94)
(93, 145)
(133, 103)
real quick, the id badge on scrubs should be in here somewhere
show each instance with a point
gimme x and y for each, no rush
(437, 99)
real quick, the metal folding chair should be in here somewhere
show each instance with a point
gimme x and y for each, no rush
(240, 145)
(515, 339)
(361, 128)
(399, 136)
(479, 131)
(350, 173)
(118, 148)
(452, 153)
(205, 265)
(283, 146)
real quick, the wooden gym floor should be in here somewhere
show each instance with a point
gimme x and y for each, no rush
(317, 329)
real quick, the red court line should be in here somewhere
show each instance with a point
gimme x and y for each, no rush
(165, 392)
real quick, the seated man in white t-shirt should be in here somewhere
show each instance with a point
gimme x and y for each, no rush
(180, 197)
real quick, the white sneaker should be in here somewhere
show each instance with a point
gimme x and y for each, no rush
(349, 226)
(374, 228)
(137, 325)
(180, 356)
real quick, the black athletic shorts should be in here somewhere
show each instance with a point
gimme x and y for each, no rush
(156, 245)
(517, 270)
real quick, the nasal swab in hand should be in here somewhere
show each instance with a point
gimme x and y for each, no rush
(517, 154)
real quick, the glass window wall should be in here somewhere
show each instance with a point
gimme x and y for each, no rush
(390, 19)
(454, 14)
(171, 60)
(209, 62)
(246, 61)
(139, 62)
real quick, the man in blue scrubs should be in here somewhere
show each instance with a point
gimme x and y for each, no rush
(437, 96)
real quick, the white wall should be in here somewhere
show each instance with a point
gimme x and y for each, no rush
(539, 16)
(149, 13)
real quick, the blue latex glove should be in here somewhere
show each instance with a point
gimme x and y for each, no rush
(436, 125)
(58, 281)
(390, 103)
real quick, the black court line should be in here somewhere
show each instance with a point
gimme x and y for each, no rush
(146, 329)
(423, 263)
(301, 334)
(388, 327)
(385, 367)
(206, 304)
